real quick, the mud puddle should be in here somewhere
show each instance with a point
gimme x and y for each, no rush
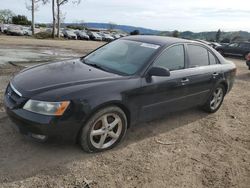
(28, 56)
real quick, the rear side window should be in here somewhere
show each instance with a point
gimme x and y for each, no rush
(245, 45)
(212, 59)
(172, 58)
(198, 56)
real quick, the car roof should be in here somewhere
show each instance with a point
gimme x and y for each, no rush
(159, 40)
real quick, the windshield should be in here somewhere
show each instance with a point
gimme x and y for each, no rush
(96, 35)
(122, 56)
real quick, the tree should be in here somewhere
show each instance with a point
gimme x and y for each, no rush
(41, 25)
(225, 40)
(20, 20)
(237, 38)
(111, 26)
(135, 32)
(75, 27)
(175, 34)
(54, 19)
(81, 22)
(211, 40)
(218, 35)
(6, 16)
(33, 7)
(59, 3)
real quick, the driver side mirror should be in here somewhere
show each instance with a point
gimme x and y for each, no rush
(158, 71)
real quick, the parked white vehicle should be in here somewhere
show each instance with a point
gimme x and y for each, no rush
(123, 35)
(106, 37)
(4, 27)
(15, 30)
(116, 36)
(27, 31)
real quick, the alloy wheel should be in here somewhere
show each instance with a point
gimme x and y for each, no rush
(106, 131)
(216, 98)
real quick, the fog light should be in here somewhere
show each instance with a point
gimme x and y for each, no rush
(38, 136)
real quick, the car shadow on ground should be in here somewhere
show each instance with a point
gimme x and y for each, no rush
(164, 124)
(234, 57)
(25, 157)
(244, 77)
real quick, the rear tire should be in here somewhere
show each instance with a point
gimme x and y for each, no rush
(245, 56)
(104, 130)
(215, 100)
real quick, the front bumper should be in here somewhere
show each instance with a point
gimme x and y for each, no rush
(28, 123)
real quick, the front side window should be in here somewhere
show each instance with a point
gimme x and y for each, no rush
(198, 56)
(122, 56)
(233, 45)
(172, 58)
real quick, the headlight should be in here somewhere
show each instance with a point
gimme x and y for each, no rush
(46, 108)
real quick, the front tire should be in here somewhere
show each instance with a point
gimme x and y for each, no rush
(104, 130)
(215, 100)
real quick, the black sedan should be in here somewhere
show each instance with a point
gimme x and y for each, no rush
(240, 49)
(95, 99)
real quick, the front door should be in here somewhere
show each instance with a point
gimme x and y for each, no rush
(160, 95)
(232, 49)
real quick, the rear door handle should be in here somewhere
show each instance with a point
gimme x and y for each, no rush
(184, 81)
(215, 74)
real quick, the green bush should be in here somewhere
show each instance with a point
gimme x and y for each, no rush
(43, 35)
(41, 25)
(76, 27)
(135, 32)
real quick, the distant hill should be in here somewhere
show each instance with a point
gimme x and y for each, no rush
(208, 35)
(125, 28)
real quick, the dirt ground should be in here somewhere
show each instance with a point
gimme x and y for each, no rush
(186, 149)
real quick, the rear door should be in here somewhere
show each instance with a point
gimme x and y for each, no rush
(244, 49)
(203, 72)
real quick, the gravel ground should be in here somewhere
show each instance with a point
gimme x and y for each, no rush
(186, 149)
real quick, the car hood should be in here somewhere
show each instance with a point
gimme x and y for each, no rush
(45, 77)
(71, 34)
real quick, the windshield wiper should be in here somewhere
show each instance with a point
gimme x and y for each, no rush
(102, 67)
(95, 65)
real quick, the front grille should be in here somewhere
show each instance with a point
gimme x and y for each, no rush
(13, 97)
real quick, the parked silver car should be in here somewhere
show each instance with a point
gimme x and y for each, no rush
(82, 35)
(94, 36)
(69, 34)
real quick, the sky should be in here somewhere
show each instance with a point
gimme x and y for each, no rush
(165, 15)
